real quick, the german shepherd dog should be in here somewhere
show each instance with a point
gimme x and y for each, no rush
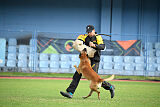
(87, 71)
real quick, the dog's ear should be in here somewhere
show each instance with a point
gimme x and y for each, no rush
(79, 55)
(87, 56)
(85, 49)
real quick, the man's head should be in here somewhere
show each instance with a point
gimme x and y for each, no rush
(90, 30)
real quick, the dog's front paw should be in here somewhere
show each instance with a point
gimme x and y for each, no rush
(75, 66)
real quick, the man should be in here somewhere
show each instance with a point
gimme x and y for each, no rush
(96, 42)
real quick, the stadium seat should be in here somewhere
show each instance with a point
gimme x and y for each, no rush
(139, 66)
(157, 45)
(139, 59)
(129, 66)
(158, 67)
(118, 66)
(12, 49)
(23, 49)
(149, 46)
(33, 64)
(74, 63)
(128, 59)
(158, 60)
(12, 42)
(158, 53)
(107, 65)
(11, 56)
(54, 65)
(43, 56)
(54, 57)
(2, 63)
(22, 63)
(151, 60)
(33, 56)
(150, 53)
(2, 53)
(64, 57)
(11, 63)
(33, 42)
(118, 59)
(64, 65)
(22, 56)
(100, 65)
(151, 67)
(107, 58)
(33, 50)
(43, 64)
(75, 58)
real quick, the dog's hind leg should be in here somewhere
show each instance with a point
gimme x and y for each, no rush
(98, 94)
(88, 94)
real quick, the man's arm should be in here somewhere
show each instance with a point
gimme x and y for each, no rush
(100, 44)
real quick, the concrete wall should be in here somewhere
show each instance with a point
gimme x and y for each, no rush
(123, 19)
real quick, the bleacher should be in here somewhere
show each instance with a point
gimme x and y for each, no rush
(24, 58)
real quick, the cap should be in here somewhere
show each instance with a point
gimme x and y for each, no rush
(89, 28)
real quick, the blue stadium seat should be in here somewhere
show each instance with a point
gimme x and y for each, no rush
(139, 66)
(11, 56)
(22, 56)
(43, 64)
(33, 56)
(2, 52)
(64, 65)
(54, 65)
(32, 50)
(151, 60)
(74, 63)
(23, 49)
(139, 59)
(22, 63)
(151, 67)
(149, 46)
(150, 53)
(118, 59)
(158, 67)
(75, 58)
(2, 62)
(118, 66)
(12, 42)
(158, 60)
(43, 56)
(158, 53)
(100, 66)
(33, 64)
(12, 49)
(33, 42)
(129, 66)
(107, 58)
(157, 45)
(54, 57)
(11, 63)
(64, 57)
(128, 59)
(107, 65)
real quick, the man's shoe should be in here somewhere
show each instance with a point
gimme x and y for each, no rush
(112, 88)
(66, 94)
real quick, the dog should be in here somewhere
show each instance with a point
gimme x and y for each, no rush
(79, 46)
(87, 71)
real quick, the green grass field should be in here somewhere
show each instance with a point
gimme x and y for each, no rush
(45, 93)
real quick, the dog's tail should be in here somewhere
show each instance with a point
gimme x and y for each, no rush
(108, 79)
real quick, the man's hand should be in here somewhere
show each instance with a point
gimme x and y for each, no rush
(91, 44)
